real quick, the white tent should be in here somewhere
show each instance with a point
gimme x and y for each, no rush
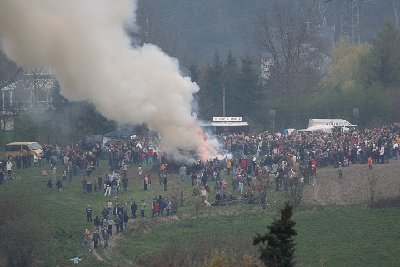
(319, 128)
(331, 122)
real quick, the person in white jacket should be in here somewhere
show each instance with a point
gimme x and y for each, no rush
(9, 167)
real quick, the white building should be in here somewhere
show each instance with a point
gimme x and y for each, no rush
(31, 92)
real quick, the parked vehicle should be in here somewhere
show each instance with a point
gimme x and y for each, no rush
(22, 148)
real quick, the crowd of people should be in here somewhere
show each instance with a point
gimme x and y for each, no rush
(251, 164)
(297, 155)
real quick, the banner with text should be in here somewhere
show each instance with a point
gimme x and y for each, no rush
(227, 119)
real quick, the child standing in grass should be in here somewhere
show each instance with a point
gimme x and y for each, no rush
(50, 184)
(370, 161)
(58, 185)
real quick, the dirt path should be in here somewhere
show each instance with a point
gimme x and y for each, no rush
(355, 185)
(112, 250)
(97, 255)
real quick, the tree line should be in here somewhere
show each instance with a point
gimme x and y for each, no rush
(293, 70)
(294, 74)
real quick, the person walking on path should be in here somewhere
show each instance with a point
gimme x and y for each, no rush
(95, 239)
(106, 237)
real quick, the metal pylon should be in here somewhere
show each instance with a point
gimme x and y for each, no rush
(350, 19)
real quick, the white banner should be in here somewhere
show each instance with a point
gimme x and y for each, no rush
(227, 119)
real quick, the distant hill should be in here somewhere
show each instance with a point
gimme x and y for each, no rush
(202, 27)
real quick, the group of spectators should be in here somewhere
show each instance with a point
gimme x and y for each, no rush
(271, 160)
(255, 163)
(113, 220)
(280, 161)
(338, 148)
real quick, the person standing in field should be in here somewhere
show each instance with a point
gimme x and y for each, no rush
(125, 219)
(106, 236)
(89, 213)
(9, 167)
(228, 167)
(133, 209)
(142, 207)
(86, 238)
(54, 173)
(140, 171)
(95, 239)
(165, 182)
(58, 185)
(124, 169)
(110, 223)
(395, 149)
(145, 182)
(370, 162)
(183, 173)
(50, 184)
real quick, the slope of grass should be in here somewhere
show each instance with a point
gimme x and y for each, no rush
(348, 236)
(328, 236)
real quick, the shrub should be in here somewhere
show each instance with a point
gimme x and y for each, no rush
(21, 235)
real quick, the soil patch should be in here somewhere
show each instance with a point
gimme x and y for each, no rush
(357, 185)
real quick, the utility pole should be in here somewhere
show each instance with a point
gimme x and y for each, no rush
(223, 102)
(272, 114)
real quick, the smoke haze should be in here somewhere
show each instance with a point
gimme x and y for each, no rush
(85, 44)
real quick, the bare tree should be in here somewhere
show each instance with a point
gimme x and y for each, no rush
(290, 51)
(151, 30)
(8, 71)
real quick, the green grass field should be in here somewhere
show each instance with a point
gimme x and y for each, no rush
(327, 236)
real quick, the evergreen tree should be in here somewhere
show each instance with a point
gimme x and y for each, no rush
(382, 64)
(210, 95)
(250, 90)
(277, 246)
(230, 74)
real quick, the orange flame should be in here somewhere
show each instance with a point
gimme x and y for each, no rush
(204, 147)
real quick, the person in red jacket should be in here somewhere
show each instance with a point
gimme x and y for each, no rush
(156, 208)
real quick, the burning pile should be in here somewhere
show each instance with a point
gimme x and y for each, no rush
(86, 46)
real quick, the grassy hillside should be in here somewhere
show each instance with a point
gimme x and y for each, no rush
(327, 236)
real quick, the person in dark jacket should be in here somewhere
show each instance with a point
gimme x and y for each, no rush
(50, 184)
(58, 185)
(89, 213)
(125, 219)
(165, 182)
(133, 209)
(106, 236)
(95, 239)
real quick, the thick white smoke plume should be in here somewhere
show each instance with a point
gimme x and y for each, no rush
(85, 44)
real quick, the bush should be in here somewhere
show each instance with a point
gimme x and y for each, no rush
(385, 203)
(21, 235)
(232, 251)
